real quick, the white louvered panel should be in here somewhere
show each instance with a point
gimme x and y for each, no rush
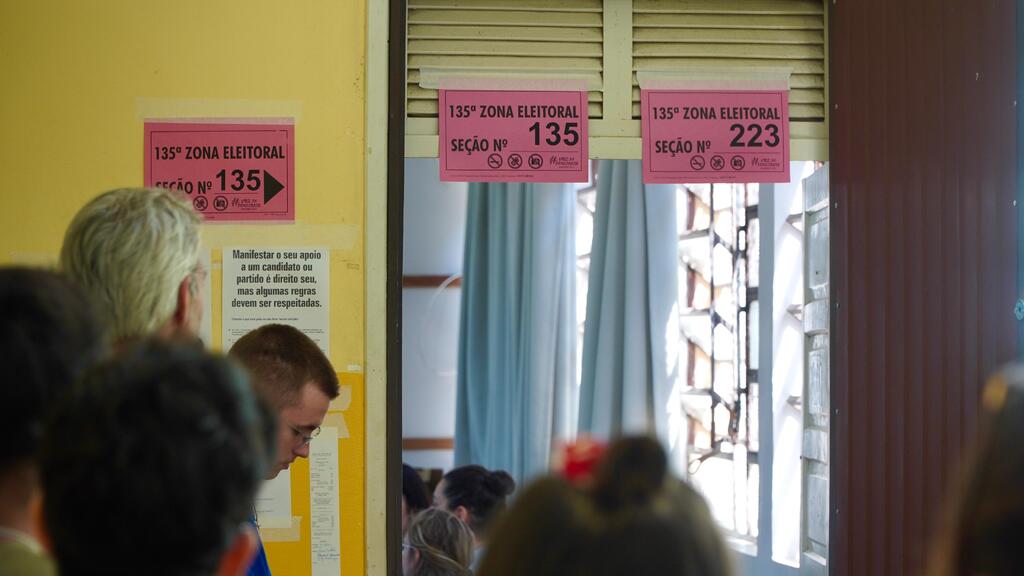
(606, 41)
(533, 5)
(725, 21)
(722, 7)
(729, 36)
(695, 34)
(496, 35)
(511, 17)
(722, 51)
(499, 33)
(499, 48)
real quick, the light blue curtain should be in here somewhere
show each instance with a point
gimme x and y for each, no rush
(631, 332)
(517, 340)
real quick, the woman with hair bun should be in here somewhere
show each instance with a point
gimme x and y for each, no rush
(415, 496)
(651, 522)
(632, 517)
(437, 544)
(476, 496)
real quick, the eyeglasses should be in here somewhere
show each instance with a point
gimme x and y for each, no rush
(299, 434)
(407, 547)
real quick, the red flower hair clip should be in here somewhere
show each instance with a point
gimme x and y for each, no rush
(579, 459)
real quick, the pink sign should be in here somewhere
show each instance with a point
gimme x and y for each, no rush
(513, 136)
(692, 136)
(229, 171)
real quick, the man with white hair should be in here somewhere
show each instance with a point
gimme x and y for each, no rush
(135, 252)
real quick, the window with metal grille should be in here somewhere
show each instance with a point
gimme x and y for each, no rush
(718, 277)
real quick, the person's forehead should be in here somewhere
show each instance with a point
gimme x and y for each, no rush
(308, 408)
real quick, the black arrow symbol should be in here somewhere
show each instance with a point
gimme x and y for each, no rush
(270, 187)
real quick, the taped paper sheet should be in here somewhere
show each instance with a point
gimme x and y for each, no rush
(290, 533)
(715, 78)
(335, 417)
(325, 515)
(218, 110)
(277, 285)
(336, 420)
(274, 502)
(715, 125)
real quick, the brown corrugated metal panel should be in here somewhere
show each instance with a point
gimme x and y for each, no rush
(924, 259)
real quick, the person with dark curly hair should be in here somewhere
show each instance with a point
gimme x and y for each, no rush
(151, 466)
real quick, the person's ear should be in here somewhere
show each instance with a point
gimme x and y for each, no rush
(184, 303)
(239, 555)
(462, 513)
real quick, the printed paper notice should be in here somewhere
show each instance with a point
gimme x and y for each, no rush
(238, 171)
(692, 136)
(277, 286)
(513, 136)
(274, 502)
(325, 516)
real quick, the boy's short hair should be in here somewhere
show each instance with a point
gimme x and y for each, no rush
(281, 360)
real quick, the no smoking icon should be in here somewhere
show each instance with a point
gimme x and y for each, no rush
(697, 162)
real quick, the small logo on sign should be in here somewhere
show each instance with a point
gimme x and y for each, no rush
(200, 203)
(697, 162)
(494, 161)
(515, 161)
(536, 161)
(717, 162)
(738, 162)
(220, 203)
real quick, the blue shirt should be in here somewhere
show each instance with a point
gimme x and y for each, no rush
(259, 565)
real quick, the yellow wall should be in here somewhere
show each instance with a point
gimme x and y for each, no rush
(79, 77)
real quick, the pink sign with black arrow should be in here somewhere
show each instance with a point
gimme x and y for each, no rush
(230, 171)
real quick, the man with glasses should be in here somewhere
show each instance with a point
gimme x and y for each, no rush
(297, 381)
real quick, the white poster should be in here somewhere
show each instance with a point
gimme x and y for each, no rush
(277, 286)
(274, 502)
(325, 516)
